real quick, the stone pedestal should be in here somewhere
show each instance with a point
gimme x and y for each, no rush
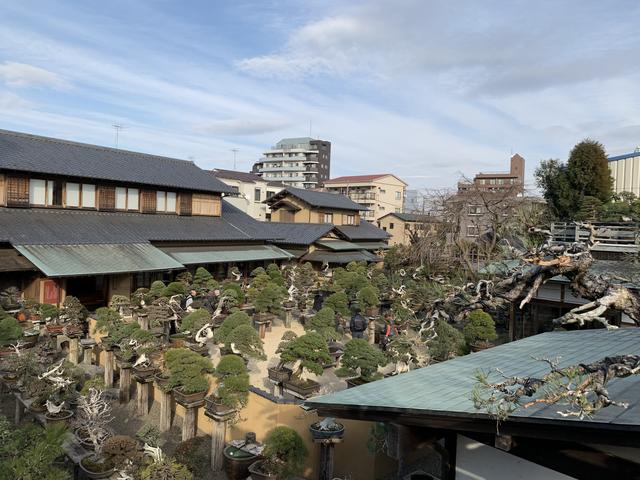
(218, 434)
(143, 385)
(143, 321)
(326, 457)
(125, 384)
(19, 411)
(87, 350)
(108, 369)
(74, 350)
(166, 404)
(262, 327)
(189, 421)
(288, 317)
(372, 330)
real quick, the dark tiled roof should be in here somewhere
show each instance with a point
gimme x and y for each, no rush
(235, 175)
(31, 153)
(296, 233)
(318, 199)
(71, 227)
(340, 257)
(360, 178)
(364, 231)
(444, 389)
(412, 217)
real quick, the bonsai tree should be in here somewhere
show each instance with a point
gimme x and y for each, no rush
(156, 290)
(235, 295)
(122, 452)
(284, 453)
(29, 451)
(165, 469)
(73, 312)
(256, 272)
(302, 277)
(203, 281)
(10, 298)
(120, 303)
(339, 302)
(269, 299)
(245, 341)
(141, 297)
(10, 329)
(195, 320)
(233, 387)
(480, 328)
(228, 325)
(351, 279)
(323, 323)
(174, 288)
(309, 352)
(360, 355)
(448, 343)
(185, 277)
(187, 369)
(275, 274)
(400, 351)
(48, 312)
(93, 417)
(149, 434)
(258, 283)
(368, 297)
(106, 320)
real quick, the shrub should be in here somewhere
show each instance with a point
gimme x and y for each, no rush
(449, 342)
(275, 274)
(233, 390)
(149, 434)
(120, 450)
(187, 369)
(10, 329)
(166, 470)
(359, 354)
(311, 349)
(270, 299)
(156, 290)
(480, 328)
(339, 302)
(48, 311)
(106, 319)
(195, 454)
(368, 297)
(257, 272)
(323, 323)
(228, 325)
(203, 281)
(284, 452)
(246, 342)
(195, 320)
(233, 290)
(185, 277)
(174, 288)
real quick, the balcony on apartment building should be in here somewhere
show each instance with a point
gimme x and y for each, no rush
(281, 168)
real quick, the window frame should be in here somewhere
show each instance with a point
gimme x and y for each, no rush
(126, 199)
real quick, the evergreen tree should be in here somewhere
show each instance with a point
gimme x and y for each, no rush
(588, 170)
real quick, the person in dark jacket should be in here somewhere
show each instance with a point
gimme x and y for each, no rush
(211, 302)
(358, 325)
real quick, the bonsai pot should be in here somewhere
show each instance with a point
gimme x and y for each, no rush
(257, 474)
(54, 330)
(37, 407)
(372, 311)
(214, 406)
(89, 463)
(326, 434)
(144, 372)
(188, 398)
(73, 331)
(303, 389)
(279, 374)
(479, 346)
(199, 349)
(355, 382)
(237, 462)
(30, 339)
(57, 418)
(6, 352)
(260, 318)
(177, 340)
(21, 316)
(161, 381)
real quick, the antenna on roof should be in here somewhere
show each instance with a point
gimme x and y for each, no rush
(235, 151)
(117, 128)
(310, 129)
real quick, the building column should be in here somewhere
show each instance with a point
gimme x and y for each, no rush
(165, 410)
(142, 396)
(108, 369)
(218, 435)
(189, 423)
(326, 457)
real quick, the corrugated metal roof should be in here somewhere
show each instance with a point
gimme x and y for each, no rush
(364, 231)
(624, 157)
(318, 199)
(445, 388)
(204, 255)
(295, 233)
(340, 257)
(337, 245)
(32, 153)
(77, 260)
(372, 245)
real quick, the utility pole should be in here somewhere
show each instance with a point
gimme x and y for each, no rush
(235, 151)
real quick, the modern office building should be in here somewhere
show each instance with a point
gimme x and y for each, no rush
(378, 194)
(625, 170)
(296, 162)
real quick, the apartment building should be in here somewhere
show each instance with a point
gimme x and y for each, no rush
(406, 228)
(513, 180)
(378, 194)
(297, 162)
(251, 192)
(625, 170)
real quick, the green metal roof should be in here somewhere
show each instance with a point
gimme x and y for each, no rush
(338, 245)
(223, 254)
(373, 245)
(444, 389)
(93, 259)
(340, 257)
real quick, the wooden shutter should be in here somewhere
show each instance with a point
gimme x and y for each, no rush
(107, 197)
(148, 201)
(17, 191)
(185, 203)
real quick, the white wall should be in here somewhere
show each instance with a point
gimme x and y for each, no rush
(477, 461)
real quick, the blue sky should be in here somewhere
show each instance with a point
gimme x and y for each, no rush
(426, 89)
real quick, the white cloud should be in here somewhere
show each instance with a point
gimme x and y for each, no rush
(242, 126)
(16, 74)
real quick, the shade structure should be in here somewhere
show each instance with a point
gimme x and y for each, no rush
(12, 261)
(224, 254)
(340, 257)
(373, 245)
(338, 245)
(97, 259)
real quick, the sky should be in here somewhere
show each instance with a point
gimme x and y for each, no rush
(429, 90)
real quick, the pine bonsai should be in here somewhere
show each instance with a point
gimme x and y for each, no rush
(187, 369)
(228, 325)
(233, 389)
(284, 453)
(245, 341)
(73, 311)
(203, 281)
(185, 277)
(448, 343)
(106, 320)
(234, 291)
(480, 328)
(166, 469)
(174, 288)
(156, 290)
(269, 299)
(360, 355)
(275, 274)
(368, 297)
(10, 298)
(10, 329)
(323, 323)
(339, 302)
(195, 320)
(310, 350)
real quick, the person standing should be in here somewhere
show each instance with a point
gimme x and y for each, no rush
(357, 325)
(390, 329)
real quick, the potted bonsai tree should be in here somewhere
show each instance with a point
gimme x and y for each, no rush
(175, 288)
(121, 304)
(235, 298)
(401, 351)
(165, 469)
(360, 356)
(448, 343)
(187, 375)
(323, 323)
(303, 278)
(10, 298)
(191, 324)
(268, 302)
(339, 303)
(326, 429)
(284, 455)
(309, 353)
(245, 341)
(280, 373)
(73, 316)
(10, 333)
(480, 330)
(233, 386)
(203, 281)
(156, 290)
(368, 299)
(221, 334)
(93, 418)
